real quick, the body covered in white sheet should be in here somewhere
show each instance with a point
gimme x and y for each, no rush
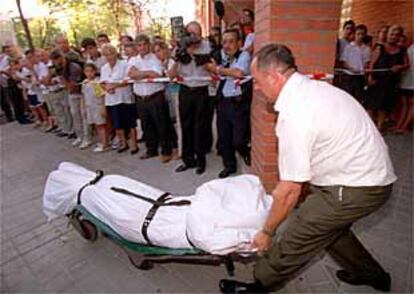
(223, 215)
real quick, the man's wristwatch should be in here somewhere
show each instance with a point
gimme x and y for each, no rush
(268, 232)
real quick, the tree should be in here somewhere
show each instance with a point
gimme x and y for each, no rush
(25, 25)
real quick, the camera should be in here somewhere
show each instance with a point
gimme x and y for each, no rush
(186, 41)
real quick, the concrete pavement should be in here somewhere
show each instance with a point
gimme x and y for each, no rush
(41, 257)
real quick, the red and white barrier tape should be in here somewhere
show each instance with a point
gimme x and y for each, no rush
(315, 76)
(360, 73)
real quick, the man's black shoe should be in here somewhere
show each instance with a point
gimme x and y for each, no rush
(200, 169)
(226, 172)
(381, 282)
(232, 286)
(184, 167)
(62, 134)
(247, 159)
(72, 136)
(25, 122)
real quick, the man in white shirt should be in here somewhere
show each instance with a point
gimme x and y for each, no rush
(93, 54)
(355, 59)
(327, 139)
(348, 35)
(155, 119)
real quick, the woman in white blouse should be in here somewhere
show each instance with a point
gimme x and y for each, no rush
(118, 98)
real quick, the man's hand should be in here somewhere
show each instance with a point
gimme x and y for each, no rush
(262, 241)
(133, 73)
(211, 66)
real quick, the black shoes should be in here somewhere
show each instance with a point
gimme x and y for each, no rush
(62, 134)
(226, 172)
(200, 169)
(184, 167)
(380, 282)
(232, 286)
(123, 149)
(72, 136)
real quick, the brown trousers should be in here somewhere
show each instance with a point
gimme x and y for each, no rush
(323, 221)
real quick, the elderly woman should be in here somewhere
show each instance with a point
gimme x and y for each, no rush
(382, 84)
(118, 98)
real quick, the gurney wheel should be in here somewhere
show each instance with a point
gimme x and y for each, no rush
(90, 232)
(143, 265)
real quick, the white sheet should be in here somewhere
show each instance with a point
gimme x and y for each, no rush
(223, 215)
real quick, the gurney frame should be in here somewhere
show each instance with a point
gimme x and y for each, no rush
(143, 256)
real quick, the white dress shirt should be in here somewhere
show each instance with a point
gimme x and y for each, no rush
(356, 56)
(116, 74)
(327, 138)
(148, 62)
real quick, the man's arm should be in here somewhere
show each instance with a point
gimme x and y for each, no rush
(136, 74)
(285, 197)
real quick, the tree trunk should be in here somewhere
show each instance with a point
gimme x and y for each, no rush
(25, 25)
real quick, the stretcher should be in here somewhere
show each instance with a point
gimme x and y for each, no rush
(143, 256)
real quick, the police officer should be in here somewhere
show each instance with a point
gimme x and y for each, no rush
(193, 99)
(233, 111)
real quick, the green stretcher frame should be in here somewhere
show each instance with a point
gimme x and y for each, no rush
(137, 247)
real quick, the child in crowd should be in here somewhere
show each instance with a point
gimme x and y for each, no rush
(27, 77)
(94, 107)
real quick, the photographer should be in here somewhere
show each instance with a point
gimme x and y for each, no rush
(191, 55)
(233, 110)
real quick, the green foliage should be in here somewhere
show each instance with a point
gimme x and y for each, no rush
(43, 31)
(86, 18)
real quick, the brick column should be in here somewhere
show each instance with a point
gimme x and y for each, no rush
(309, 28)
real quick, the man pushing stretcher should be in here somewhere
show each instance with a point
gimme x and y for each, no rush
(325, 138)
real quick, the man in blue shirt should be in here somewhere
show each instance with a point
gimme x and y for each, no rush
(233, 111)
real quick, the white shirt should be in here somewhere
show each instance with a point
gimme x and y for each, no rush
(192, 70)
(42, 71)
(356, 56)
(230, 89)
(147, 62)
(99, 62)
(30, 85)
(327, 138)
(116, 74)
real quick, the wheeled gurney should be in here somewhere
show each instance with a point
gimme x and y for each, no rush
(214, 226)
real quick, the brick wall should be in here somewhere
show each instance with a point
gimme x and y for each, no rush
(374, 14)
(309, 28)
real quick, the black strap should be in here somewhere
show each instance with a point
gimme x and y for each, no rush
(160, 201)
(152, 201)
(97, 178)
(150, 216)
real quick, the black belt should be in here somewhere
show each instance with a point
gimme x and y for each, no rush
(194, 88)
(161, 201)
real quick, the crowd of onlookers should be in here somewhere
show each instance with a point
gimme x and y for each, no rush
(378, 73)
(89, 95)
